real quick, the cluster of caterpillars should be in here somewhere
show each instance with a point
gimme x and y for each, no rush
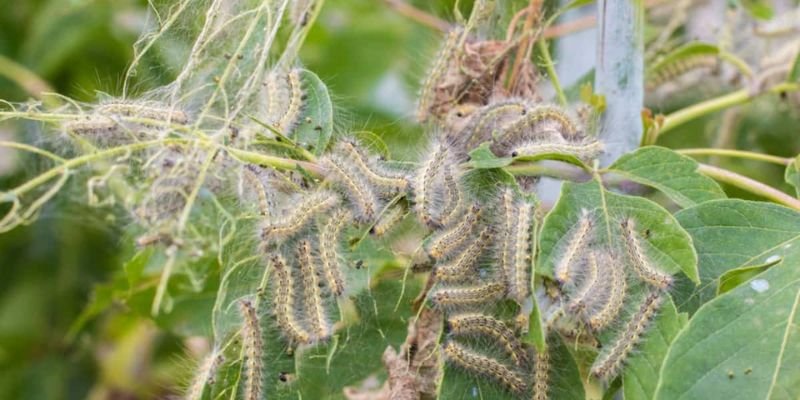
(609, 286)
(303, 233)
(481, 254)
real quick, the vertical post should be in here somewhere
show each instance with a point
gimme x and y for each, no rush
(619, 75)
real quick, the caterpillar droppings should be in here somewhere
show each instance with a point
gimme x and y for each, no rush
(485, 366)
(312, 295)
(641, 265)
(609, 363)
(486, 325)
(254, 347)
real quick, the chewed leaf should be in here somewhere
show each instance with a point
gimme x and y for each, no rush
(667, 245)
(669, 172)
(744, 344)
(315, 125)
(792, 175)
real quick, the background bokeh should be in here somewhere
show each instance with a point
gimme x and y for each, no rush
(370, 57)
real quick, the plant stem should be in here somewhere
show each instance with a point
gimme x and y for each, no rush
(737, 154)
(418, 15)
(551, 71)
(23, 77)
(29, 148)
(690, 113)
(550, 169)
(750, 185)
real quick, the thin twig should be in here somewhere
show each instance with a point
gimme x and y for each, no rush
(750, 185)
(418, 15)
(737, 154)
(534, 9)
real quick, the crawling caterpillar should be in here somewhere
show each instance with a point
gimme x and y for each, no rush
(483, 365)
(479, 324)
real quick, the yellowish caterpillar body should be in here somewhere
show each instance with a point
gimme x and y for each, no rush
(295, 102)
(670, 71)
(285, 99)
(329, 239)
(541, 376)
(506, 232)
(362, 163)
(587, 150)
(450, 240)
(462, 267)
(155, 112)
(589, 284)
(254, 350)
(313, 204)
(358, 192)
(205, 376)
(490, 118)
(468, 295)
(519, 283)
(577, 241)
(610, 296)
(540, 124)
(641, 264)
(101, 131)
(486, 366)
(426, 183)
(610, 361)
(388, 220)
(312, 294)
(454, 200)
(254, 183)
(284, 302)
(427, 95)
(485, 325)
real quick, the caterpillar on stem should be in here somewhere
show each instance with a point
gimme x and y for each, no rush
(468, 295)
(205, 376)
(358, 192)
(485, 366)
(315, 203)
(577, 241)
(541, 376)
(425, 184)
(586, 150)
(519, 280)
(388, 220)
(362, 163)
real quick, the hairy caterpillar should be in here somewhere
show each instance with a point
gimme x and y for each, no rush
(662, 73)
(389, 184)
(609, 362)
(159, 113)
(490, 118)
(454, 199)
(358, 192)
(284, 99)
(541, 376)
(100, 131)
(479, 324)
(312, 295)
(462, 267)
(519, 280)
(253, 346)
(577, 241)
(449, 241)
(506, 233)
(646, 272)
(329, 253)
(206, 375)
(311, 205)
(615, 287)
(251, 176)
(284, 302)
(541, 124)
(388, 220)
(425, 184)
(589, 283)
(483, 365)
(468, 295)
(427, 95)
(582, 151)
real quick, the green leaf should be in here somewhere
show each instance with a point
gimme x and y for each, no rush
(744, 344)
(730, 234)
(669, 172)
(758, 8)
(792, 175)
(315, 126)
(794, 73)
(735, 277)
(669, 245)
(483, 158)
(640, 376)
